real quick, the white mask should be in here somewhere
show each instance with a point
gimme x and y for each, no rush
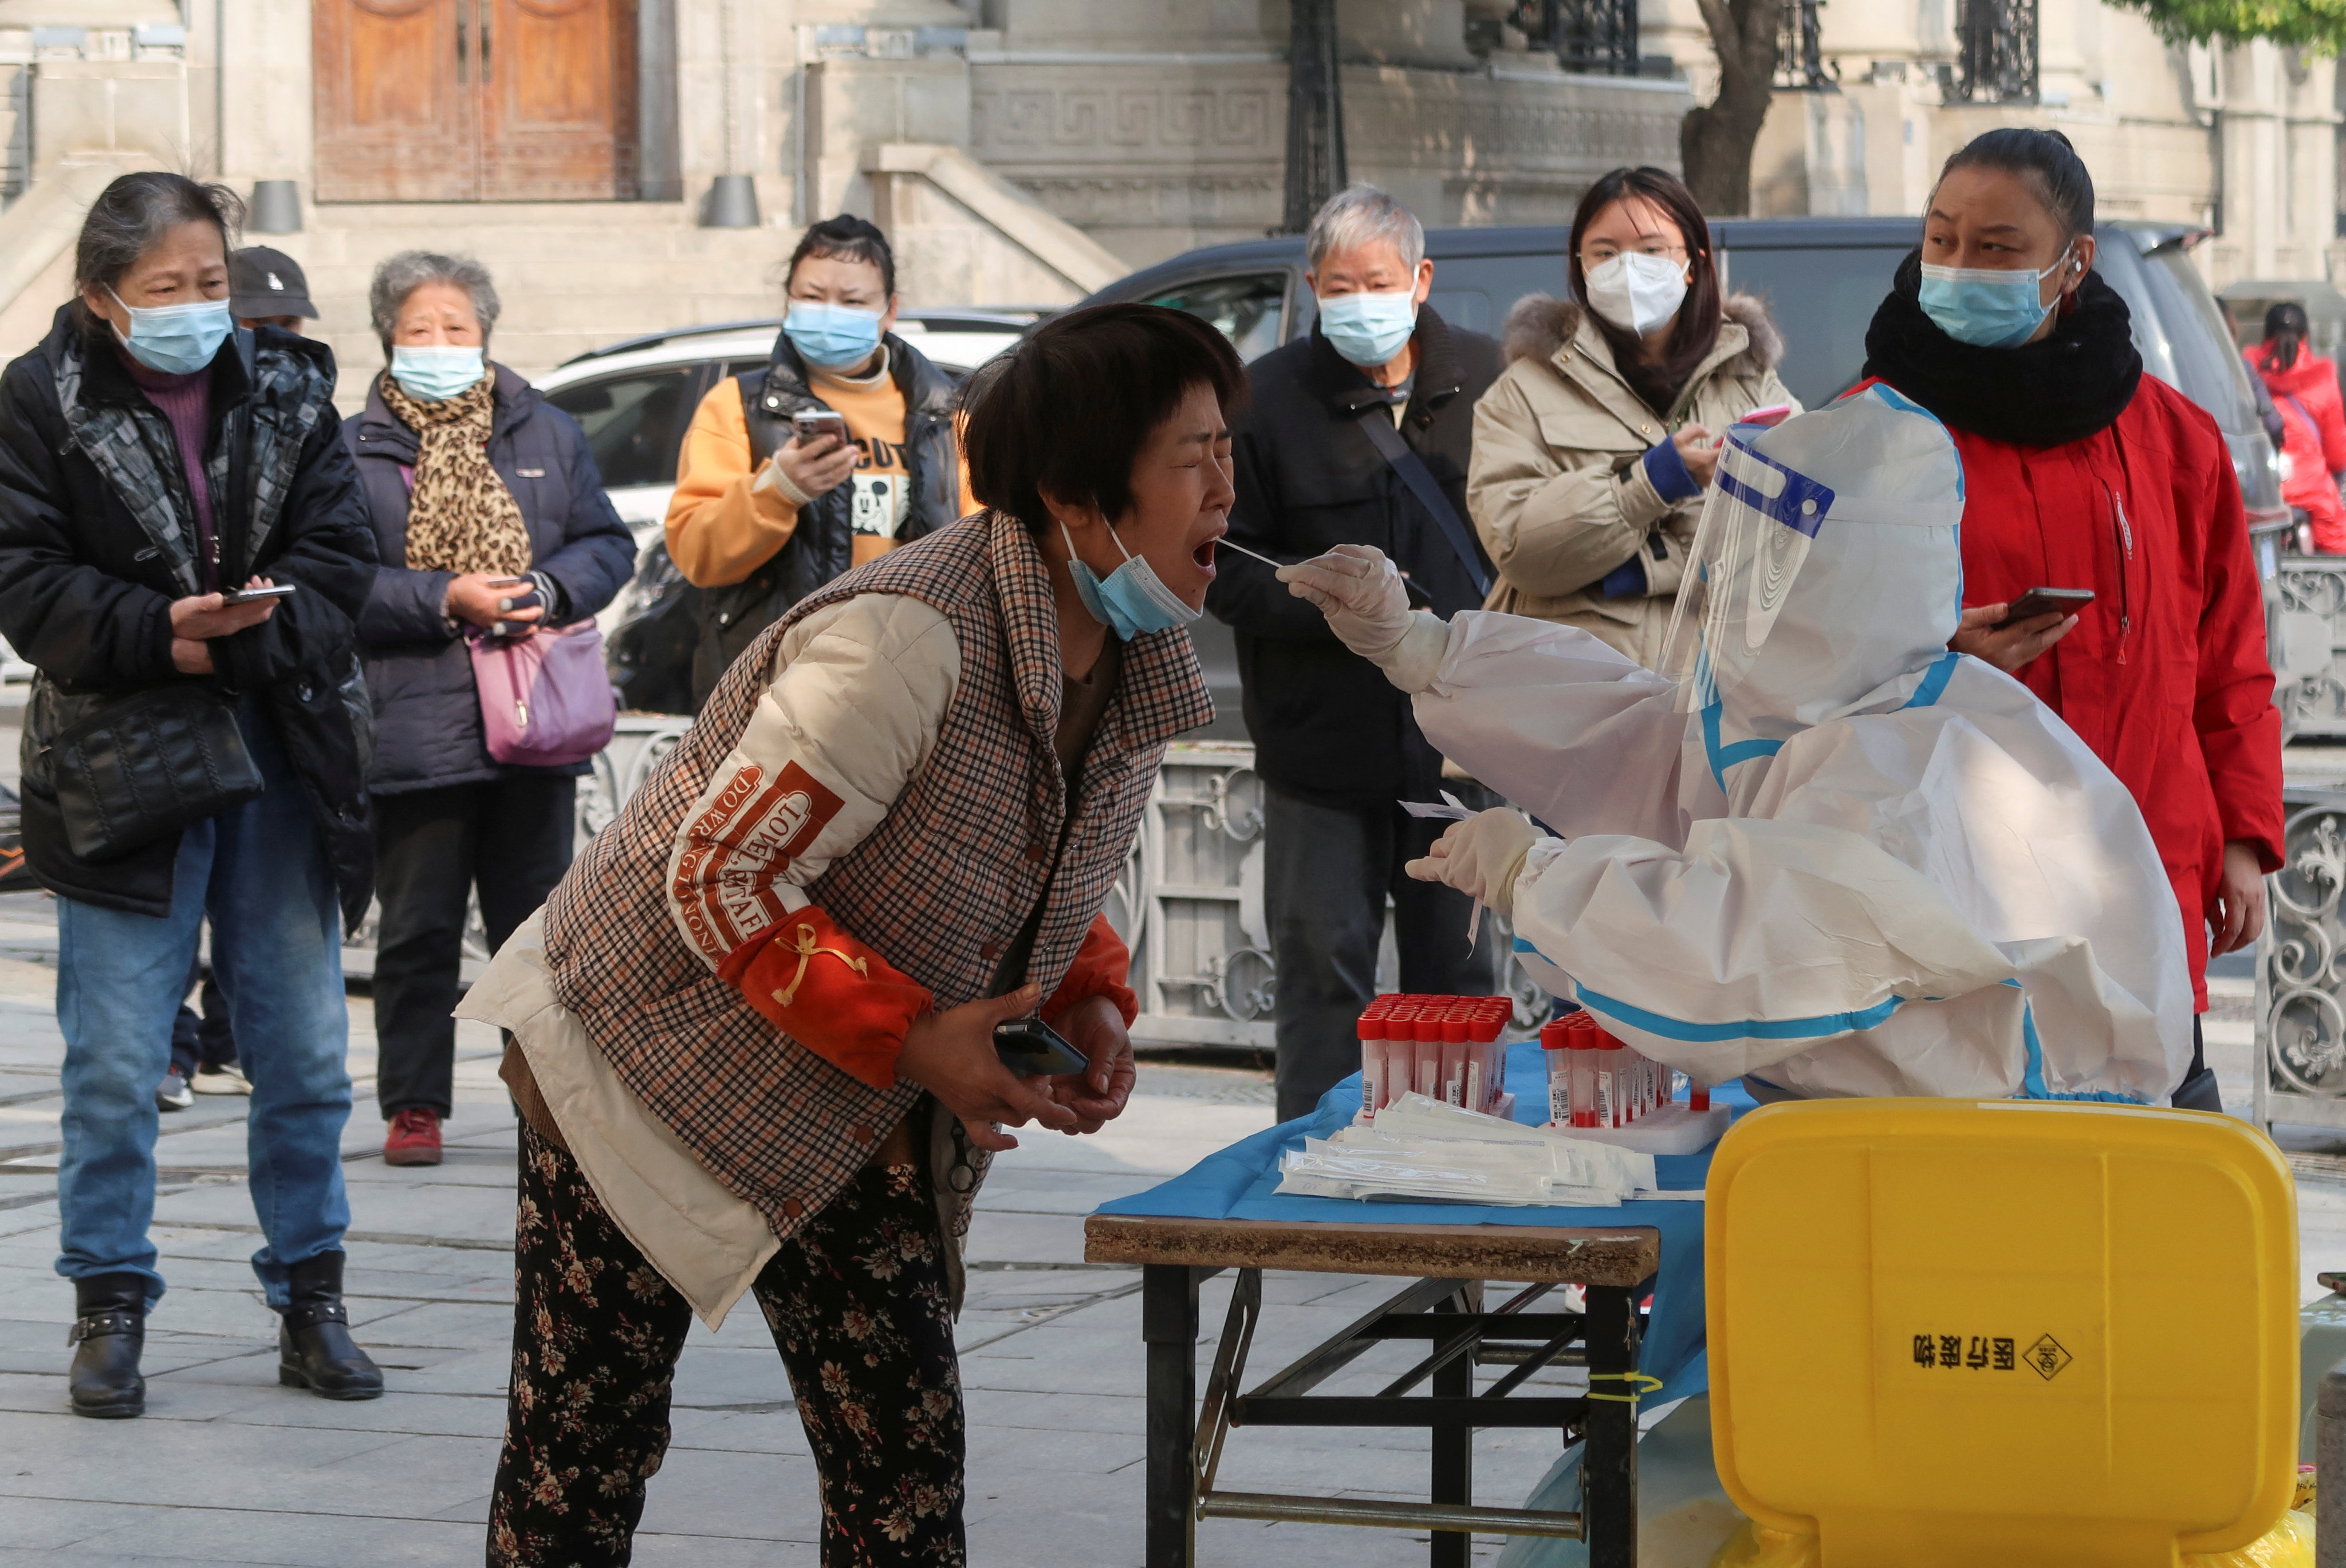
(1637, 291)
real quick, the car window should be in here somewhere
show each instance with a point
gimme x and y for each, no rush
(1247, 309)
(1822, 301)
(2207, 366)
(743, 367)
(1476, 292)
(635, 424)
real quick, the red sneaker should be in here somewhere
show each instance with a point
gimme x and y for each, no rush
(414, 1138)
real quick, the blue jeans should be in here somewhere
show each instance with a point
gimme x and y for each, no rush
(260, 874)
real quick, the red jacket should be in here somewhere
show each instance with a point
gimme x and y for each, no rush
(2165, 676)
(2313, 434)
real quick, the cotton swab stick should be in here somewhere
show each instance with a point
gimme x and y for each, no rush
(1225, 542)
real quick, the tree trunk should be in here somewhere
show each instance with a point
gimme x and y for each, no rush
(1716, 138)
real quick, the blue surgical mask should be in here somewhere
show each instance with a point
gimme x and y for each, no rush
(1133, 599)
(1986, 307)
(832, 336)
(434, 372)
(177, 339)
(1369, 329)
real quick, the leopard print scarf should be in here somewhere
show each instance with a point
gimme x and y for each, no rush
(460, 516)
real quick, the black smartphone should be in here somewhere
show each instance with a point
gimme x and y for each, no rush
(1032, 1048)
(1419, 599)
(811, 423)
(2046, 602)
(528, 599)
(247, 596)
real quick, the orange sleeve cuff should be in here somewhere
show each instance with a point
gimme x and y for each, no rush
(1101, 967)
(829, 993)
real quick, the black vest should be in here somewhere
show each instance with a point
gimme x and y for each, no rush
(821, 546)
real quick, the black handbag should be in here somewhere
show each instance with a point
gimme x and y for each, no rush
(129, 770)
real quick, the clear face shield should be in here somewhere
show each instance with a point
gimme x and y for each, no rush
(1759, 526)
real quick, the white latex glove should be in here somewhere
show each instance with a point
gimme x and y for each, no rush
(1359, 589)
(1481, 857)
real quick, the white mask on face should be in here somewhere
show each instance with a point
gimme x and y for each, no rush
(1636, 291)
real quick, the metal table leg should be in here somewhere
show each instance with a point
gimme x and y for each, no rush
(1454, 1449)
(1168, 1327)
(1608, 1464)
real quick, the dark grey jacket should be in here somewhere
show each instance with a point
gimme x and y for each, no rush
(1326, 723)
(427, 709)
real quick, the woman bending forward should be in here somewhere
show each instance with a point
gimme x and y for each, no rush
(755, 1022)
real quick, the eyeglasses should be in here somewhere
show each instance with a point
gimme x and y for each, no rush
(1598, 254)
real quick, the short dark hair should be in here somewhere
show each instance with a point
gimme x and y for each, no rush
(2047, 157)
(845, 237)
(1069, 409)
(1659, 380)
(134, 212)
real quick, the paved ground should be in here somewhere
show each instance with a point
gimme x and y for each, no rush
(229, 1468)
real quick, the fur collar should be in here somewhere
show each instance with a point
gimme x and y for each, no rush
(1540, 324)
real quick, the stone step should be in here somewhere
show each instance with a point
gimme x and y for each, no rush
(570, 276)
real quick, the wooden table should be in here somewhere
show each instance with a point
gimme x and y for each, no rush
(1443, 1306)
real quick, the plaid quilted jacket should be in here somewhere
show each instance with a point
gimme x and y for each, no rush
(941, 887)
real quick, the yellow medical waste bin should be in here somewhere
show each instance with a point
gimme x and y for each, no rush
(1958, 1334)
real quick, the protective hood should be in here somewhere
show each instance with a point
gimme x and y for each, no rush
(1827, 572)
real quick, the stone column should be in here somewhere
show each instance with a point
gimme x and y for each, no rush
(265, 114)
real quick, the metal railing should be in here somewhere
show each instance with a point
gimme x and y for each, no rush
(1996, 58)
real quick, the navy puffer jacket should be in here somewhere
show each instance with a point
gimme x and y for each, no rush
(427, 709)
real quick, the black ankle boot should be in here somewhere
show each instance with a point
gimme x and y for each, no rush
(314, 1349)
(109, 1329)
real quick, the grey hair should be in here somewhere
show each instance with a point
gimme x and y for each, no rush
(1361, 215)
(399, 276)
(135, 211)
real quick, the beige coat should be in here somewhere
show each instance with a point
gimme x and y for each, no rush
(1555, 486)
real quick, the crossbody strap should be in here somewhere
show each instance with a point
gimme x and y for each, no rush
(1376, 422)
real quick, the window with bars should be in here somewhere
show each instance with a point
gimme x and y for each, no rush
(1799, 51)
(1593, 38)
(1996, 58)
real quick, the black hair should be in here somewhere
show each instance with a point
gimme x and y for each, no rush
(1069, 409)
(1660, 379)
(2044, 156)
(133, 213)
(2286, 329)
(845, 237)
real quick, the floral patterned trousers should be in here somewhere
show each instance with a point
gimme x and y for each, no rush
(858, 1304)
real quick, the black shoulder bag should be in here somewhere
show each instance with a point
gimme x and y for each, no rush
(129, 770)
(1376, 424)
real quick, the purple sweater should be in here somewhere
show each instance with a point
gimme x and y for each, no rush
(186, 402)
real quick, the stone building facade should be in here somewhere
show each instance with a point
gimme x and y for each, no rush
(2239, 140)
(1020, 151)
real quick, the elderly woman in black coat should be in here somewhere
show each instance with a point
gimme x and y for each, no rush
(187, 756)
(489, 515)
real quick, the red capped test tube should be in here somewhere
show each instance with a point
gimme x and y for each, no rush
(1426, 1063)
(1555, 1045)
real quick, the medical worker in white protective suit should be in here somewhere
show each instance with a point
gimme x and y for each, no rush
(1830, 855)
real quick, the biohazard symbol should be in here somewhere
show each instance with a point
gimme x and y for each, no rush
(2048, 1358)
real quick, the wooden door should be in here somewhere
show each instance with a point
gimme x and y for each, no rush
(557, 102)
(396, 110)
(475, 100)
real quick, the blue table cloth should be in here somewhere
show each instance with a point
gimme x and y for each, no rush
(1240, 1183)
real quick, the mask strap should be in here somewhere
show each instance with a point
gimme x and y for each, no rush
(1070, 538)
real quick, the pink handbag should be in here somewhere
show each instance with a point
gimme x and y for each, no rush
(545, 697)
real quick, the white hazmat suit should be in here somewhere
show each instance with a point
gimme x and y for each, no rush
(1833, 855)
